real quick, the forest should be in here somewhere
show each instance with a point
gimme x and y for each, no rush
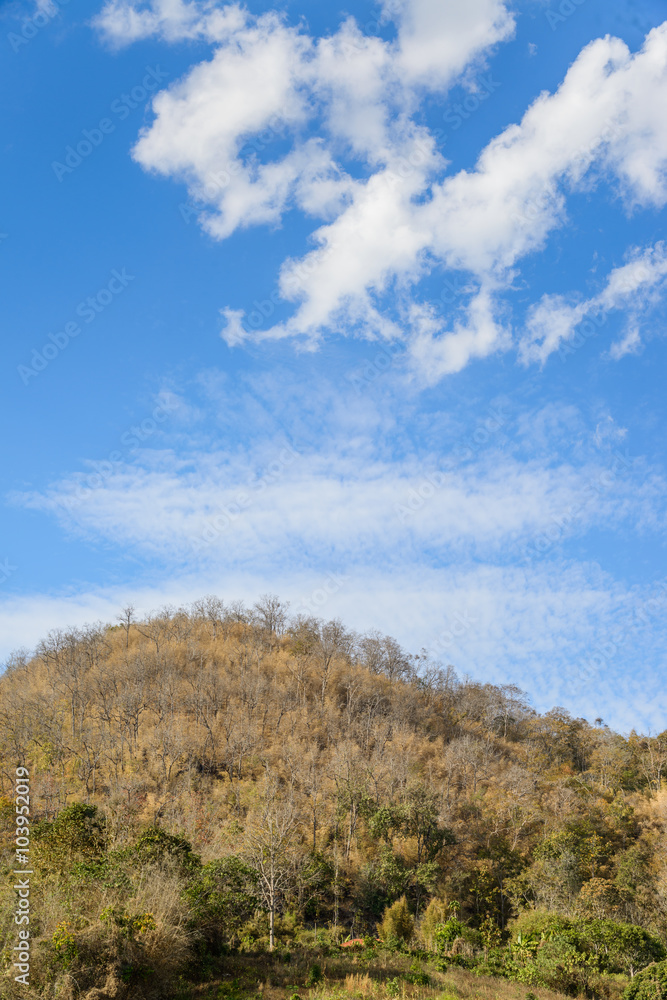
(228, 801)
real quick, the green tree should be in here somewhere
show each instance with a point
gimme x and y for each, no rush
(650, 984)
(420, 820)
(76, 835)
(314, 885)
(622, 947)
(222, 896)
(380, 883)
(157, 847)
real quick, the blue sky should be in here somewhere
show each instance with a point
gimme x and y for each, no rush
(362, 305)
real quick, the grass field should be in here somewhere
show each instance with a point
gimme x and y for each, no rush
(379, 976)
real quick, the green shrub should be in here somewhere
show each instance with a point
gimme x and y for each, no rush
(416, 976)
(649, 984)
(537, 923)
(621, 947)
(495, 963)
(221, 896)
(379, 883)
(561, 966)
(603, 946)
(65, 951)
(76, 835)
(157, 847)
(288, 926)
(462, 961)
(314, 975)
(126, 925)
(448, 932)
(397, 922)
(392, 943)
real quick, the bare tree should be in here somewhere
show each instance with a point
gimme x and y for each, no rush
(157, 627)
(653, 760)
(270, 850)
(508, 707)
(383, 655)
(334, 641)
(270, 614)
(127, 619)
(211, 610)
(306, 764)
(468, 759)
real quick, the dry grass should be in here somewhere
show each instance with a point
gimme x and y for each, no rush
(262, 977)
(168, 946)
(464, 984)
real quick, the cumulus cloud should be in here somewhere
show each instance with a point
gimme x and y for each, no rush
(438, 40)
(434, 353)
(354, 157)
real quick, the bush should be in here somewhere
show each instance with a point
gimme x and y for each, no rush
(156, 847)
(155, 936)
(538, 923)
(435, 915)
(76, 835)
(622, 947)
(416, 976)
(314, 975)
(65, 951)
(397, 922)
(125, 924)
(604, 945)
(222, 898)
(649, 984)
(378, 883)
(447, 933)
(559, 965)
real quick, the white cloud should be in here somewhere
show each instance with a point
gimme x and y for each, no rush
(631, 343)
(416, 543)
(438, 40)
(635, 285)
(172, 20)
(434, 353)
(299, 507)
(358, 162)
(253, 83)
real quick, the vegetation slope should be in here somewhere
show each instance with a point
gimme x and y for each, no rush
(231, 802)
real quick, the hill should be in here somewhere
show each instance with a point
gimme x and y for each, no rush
(212, 788)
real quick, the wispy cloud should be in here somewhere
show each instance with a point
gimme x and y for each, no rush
(296, 506)
(630, 343)
(635, 286)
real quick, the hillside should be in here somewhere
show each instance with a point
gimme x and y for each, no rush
(212, 784)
